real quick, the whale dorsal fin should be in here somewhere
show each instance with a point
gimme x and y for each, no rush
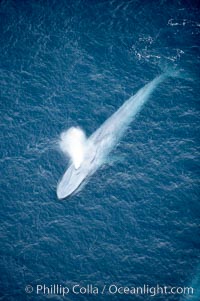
(73, 143)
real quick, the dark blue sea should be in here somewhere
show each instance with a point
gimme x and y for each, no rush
(136, 222)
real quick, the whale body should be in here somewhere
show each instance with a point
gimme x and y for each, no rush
(104, 139)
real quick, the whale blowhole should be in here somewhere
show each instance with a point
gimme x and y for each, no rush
(73, 144)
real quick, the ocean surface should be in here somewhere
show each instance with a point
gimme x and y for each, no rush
(136, 221)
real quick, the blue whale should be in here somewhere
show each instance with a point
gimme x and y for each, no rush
(104, 139)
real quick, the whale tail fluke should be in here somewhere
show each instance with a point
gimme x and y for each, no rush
(174, 71)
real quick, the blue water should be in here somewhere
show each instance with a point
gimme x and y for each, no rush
(136, 222)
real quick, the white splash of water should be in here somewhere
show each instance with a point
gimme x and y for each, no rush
(73, 144)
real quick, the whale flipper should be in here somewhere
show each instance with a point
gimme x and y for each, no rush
(73, 144)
